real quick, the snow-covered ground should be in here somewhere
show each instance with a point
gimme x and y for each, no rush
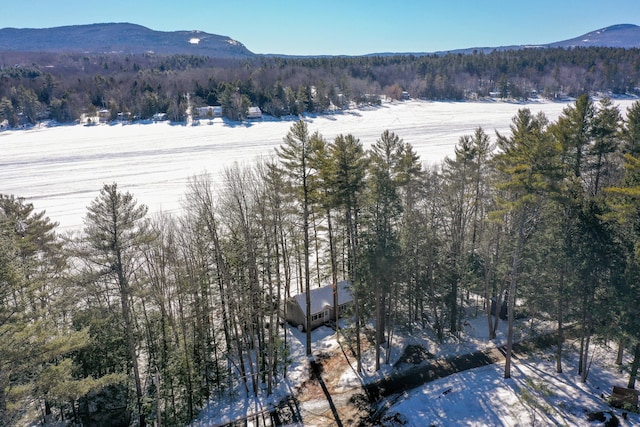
(534, 396)
(62, 169)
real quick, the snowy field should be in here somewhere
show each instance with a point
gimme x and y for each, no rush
(534, 396)
(62, 169)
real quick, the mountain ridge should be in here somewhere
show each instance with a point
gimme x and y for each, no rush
(625, 36)
(137, 39)
(620, 35)
(119, 38)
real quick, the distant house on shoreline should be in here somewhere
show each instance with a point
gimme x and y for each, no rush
(210, 111)
(101, 116)
(322, 309)
(254, 113)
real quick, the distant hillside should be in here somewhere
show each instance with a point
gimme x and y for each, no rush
(136, 39)
(71, 71)
(622, 36)
(119, 38)
(625, 36)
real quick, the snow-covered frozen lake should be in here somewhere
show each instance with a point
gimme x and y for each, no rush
(62, 169)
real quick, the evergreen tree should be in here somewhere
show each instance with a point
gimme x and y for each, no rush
(606, 142)
(115, 229)
(38, 344)
(625, 210)
(347, 175)
(573, 132)
(463, 197)
(631, 130)
(528, 160)
(381, 250)
(295, 155)
(457, 196)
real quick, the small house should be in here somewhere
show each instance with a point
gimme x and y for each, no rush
(104, 115)
(210, 111)
(322, 308)
(254, 113)
(87, 119)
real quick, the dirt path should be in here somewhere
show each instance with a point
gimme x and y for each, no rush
(324, 401)
(407, 379)
(401, 381)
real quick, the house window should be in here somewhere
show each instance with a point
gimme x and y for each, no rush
(321, 315)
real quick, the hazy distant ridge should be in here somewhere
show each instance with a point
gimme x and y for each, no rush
(622, 36)
(120, 38)
(625, 36)
(136, 39)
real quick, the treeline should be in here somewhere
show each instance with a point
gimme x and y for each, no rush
(35, 87)
(149, 317)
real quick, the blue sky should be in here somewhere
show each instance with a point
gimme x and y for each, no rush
(343, 27)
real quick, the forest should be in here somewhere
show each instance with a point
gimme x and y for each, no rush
(149, 317)
(62, 86)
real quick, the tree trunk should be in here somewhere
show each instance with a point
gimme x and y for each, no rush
(351, 225)
(491, 279)
(187, 362)
(334, 270)
(379, 324)
(585, 341)
(358, 345)
(512, 294)
(634, 367)
(499, 301)
(316, 246)
(585, 359)
(131, 341)
(432, 296)
(392, 322)
(560, 325)
(621, 345)
(453, 300)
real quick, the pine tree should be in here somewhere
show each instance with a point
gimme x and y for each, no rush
(631, 130)
(383, 211)
(115, 229)
(605, 131)
(625, 206)
(528, 160)
(573, 132)
(457, 194)
(295, 155)
(348, 177)
(38, 344)
(464, 180)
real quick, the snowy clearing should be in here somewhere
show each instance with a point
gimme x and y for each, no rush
(534, 396)
(62, 169)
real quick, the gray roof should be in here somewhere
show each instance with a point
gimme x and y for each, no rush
(323, 297)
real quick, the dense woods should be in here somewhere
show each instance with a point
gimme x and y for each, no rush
(150, 316)
(61, 87)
